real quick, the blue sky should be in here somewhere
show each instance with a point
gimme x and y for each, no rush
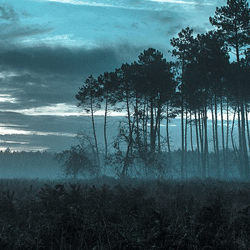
(49, 47)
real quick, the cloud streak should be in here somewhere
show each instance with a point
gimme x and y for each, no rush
(128, 4)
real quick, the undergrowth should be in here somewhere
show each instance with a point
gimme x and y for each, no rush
(109, 214)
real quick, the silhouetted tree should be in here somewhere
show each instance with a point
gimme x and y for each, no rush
(158, 88)
(89, 99)
(183, 51)
(233, 22)
(108, 84)
(76, 161)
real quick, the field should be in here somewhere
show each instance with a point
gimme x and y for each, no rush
(106, 213)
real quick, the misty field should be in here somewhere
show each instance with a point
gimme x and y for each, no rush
(106, 213)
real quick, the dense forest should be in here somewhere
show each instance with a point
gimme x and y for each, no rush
(208, 78)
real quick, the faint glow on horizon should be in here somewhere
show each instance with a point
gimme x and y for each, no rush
(4, 74)
(64, 40)
(12, 131)
(14, 142)
(59, 109)
(62, 109)
(7, 98)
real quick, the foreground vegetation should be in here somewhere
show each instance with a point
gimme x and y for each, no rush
(106, 213)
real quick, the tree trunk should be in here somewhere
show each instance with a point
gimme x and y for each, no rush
(105, 128)
(198, 143)
(247, 123)
(182, 140)
(223, 138)
(130, 138)
(94, 132)
(152, 132)
(191, 139)
(244, 144)
(216, 136)
(227, 136)
(168, 138)
(185, 150)
(201, 132)
(236, 151)
(213, 128)
(206, 165)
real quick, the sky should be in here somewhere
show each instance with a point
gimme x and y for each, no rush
(49, 47)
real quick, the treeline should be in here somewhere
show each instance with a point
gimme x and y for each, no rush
(202, 80)
(28, 164)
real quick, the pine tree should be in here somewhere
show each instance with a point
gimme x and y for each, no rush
(233, 23)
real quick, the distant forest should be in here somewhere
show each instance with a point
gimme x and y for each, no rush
(38, 164)
(209, 75)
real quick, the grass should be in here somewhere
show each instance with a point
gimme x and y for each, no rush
(105, 213)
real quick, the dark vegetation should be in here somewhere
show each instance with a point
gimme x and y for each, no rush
(106, 213)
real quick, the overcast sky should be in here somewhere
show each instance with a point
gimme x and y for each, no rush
(49, 47)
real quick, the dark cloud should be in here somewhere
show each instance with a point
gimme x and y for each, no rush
(16, 32)
(60, 61)
(46, 75)
(173, 30)
(200, 29)
(166, 17)
(31, 91)
(7, 13)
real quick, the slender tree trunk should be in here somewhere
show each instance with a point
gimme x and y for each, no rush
(201, 132)
(198, 143)
(168, 138)
(223, 138)
(152, 132)
(247, 123)
(206, 163)
(191, 133)
(145, 126)
(227, 137)
(228, 124)
(244, 144)
(185, 150)
(191, 139)
(159, 136)
(94, 132)
(130, 138)
(236, 151)
(105, 128)
(158, 124)
(213, 128)
(216, 136)
(182, 140)
(146, 131)
(240, 150)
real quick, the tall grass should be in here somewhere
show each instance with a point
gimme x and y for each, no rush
(105, 213)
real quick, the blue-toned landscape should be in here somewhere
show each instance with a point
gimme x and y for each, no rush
(124, 124)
